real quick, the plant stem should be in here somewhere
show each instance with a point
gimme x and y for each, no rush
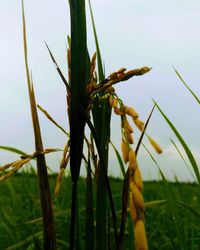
(73, 216)
(45, 196)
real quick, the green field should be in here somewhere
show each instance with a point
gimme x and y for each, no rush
(171, 224)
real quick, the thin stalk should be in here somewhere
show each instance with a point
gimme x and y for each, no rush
(45, 196)
(101, 116)
(73, 239)
(89, 236)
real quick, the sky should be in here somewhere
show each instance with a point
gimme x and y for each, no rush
(132, 34)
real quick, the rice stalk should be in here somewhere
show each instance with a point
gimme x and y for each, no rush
(45, 197)
(94, 134)
(89, 239)
(77, 81)
(101, 114)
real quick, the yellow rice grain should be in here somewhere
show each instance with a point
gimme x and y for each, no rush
(132, 160)
(132, 207)
(125, 151)
(138, 179)
(139, 124)
(140, 235)
(139, 201)
(155, 145)
(131, 112)
(127, 125)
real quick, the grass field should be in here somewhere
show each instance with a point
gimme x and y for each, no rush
(172, 223)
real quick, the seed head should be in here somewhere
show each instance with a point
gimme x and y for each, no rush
(132, 207)
(110, 90)
(137, 195)
(125, 150)
(132, 160)
(118, 111)
(113, 76)
(113, 101)
(140, 235)
(122, 70)
(127, 125)
(131, 112)
(59, 180)
(155, 145)
(138, 179)
(139, 124)
(130, 138)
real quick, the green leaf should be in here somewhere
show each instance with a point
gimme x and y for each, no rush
(194, 95)
(190, 208)
(149, 204)
(150, 154)
(99, 60)
(121, 164)
(13, 150)
(186, 148)
(20, 244)
(179, 152)
(78, 82)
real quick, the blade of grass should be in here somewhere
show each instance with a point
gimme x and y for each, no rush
(186, 148)
(20, 244)
(179, 152)
(13, 150)
(190, 208)
(121, 164)
(150, 154)
(45, 197)
(101, 116)
(154, 203)
(193, 94)
(99, 60)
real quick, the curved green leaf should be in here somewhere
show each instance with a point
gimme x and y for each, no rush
(13, 150)
(186, 148)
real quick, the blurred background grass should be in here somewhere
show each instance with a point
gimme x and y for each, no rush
(172, 223)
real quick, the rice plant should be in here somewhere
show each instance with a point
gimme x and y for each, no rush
(91, 99)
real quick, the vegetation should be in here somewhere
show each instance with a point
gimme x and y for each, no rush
(96, 212)
(172, 223)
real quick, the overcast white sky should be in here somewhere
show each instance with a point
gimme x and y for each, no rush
(158, 34)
